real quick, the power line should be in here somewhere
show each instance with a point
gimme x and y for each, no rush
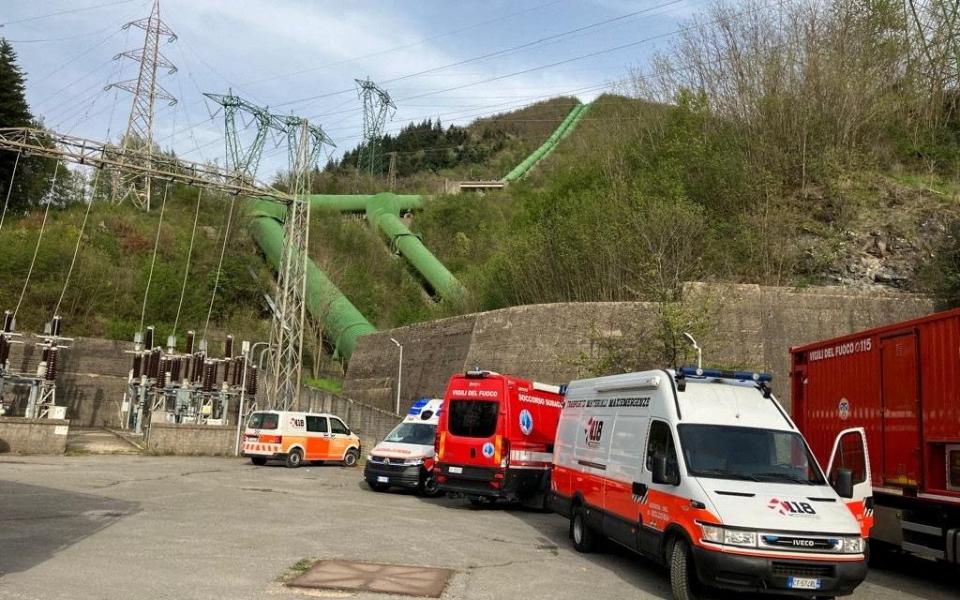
(66, 12)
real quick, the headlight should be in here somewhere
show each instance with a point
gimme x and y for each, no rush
(852, 545)
(733, 537)
(712, 533)
(413, 461)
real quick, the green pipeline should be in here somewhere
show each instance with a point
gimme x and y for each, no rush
(342, 321)
(563, 130)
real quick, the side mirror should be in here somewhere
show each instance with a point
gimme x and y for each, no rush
(844, 483)
(662, 474)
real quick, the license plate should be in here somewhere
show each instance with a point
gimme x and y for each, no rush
(456, 469)
(382, 479)
(803, 583)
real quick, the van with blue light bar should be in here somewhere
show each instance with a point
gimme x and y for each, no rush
(704, 472)
(405, 458)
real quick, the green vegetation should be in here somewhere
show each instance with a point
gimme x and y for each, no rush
(334, 386)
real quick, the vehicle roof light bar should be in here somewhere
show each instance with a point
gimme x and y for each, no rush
(698, 373)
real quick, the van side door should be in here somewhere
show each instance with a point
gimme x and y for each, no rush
(625, 483)
(318, 438)
(340, 438)
(850, 454)
(655, 507)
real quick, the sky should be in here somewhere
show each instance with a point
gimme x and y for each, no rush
(302, 56)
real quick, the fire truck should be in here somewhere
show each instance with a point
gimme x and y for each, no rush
(901, 384)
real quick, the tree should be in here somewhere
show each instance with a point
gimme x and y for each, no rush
(32, 181)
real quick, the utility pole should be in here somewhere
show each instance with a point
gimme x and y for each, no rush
(376, 105)
(146, 92)
(392, 171)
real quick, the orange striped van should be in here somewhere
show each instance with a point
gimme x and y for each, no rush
(295, 437)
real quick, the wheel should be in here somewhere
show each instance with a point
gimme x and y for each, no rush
(428, 487)
(480, 501)
(683, 573)
(295, 458)
(584, 538)
(378, 487)
(351, 457)
(258, 460)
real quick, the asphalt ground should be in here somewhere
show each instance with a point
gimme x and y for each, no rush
(104, 527)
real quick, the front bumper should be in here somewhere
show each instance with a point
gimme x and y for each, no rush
(406, 476)
(772, 575)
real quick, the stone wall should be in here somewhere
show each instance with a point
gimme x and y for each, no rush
(91, 381)
(369, 423)
(749, 326)
(33, 436)
(191, 440)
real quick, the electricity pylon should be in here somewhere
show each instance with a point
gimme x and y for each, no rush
(243, 161)
(304, 143)
(376, 105)
(146, 91)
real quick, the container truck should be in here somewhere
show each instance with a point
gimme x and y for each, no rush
(901, 384)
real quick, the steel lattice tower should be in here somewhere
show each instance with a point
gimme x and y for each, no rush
(146, 92)
(304, 143)
(376, 105)
(242, 161)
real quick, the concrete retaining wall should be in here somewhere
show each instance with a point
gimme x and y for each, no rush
(749, 326)
(191, 440)
(370, 423)
(33, 436)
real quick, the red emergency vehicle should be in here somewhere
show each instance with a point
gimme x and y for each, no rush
(901, 383)
(495, 437)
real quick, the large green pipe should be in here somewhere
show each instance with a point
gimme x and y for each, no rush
(547, 147)
(383, 211)
(343, 323)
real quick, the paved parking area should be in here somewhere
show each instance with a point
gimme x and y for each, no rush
(104, 527)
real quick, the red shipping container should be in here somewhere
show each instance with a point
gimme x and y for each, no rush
(901, 383)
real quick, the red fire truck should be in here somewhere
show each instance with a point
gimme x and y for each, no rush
(901, 384)
(495, 438)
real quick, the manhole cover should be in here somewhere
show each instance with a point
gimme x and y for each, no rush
(426, 582)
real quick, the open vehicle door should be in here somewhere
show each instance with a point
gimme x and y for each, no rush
(849, 474)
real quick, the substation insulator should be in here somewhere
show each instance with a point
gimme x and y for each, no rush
(208, 375)
(4, 349)
(45, 355)
(53, 364)
(148, 338)
(137, 365)
(162, 372)
(175, 369)
(55, 325)
(154, 363)
(252, 381)
(227, 364)
(190, 335)
(237, 371)
(198, 367)
(228, 347)
(7, 321)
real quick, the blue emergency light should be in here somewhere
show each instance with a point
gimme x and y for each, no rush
(722, 374)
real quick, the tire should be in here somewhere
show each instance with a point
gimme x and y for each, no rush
(295, 458)
(378, 487)
(428, 487)
(258, 460)
(584, 539)
(683, 573)
(480, 501)
(351, 457)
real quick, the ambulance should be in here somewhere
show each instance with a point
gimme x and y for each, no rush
(295, 437)
(705, 473)
(405, 457)
(495, 438)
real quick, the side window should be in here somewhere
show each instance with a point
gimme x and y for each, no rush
(337, 426)
(660, 444)
(850, 456)
(317, 424)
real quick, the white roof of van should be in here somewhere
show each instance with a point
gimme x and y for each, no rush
(296, 412)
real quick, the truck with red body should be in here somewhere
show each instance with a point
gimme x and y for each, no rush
(901, 384)
(495, 438)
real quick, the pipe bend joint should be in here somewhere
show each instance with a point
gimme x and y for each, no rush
(394, 246)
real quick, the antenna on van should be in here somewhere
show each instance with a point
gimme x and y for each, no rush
(693, 342)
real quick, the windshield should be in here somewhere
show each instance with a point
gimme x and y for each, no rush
(473, 418)
(263, 420)
(421, 434)
(747, 453)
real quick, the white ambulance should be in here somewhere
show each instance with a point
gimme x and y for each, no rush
(704, 472)
(405, 458)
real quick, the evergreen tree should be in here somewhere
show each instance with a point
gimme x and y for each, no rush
(31, 183)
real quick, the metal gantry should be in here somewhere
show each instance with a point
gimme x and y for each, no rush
(377, 104)
(128, 184)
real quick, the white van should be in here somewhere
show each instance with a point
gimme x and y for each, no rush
(703, 471)
(295, 437)
(405, 458)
